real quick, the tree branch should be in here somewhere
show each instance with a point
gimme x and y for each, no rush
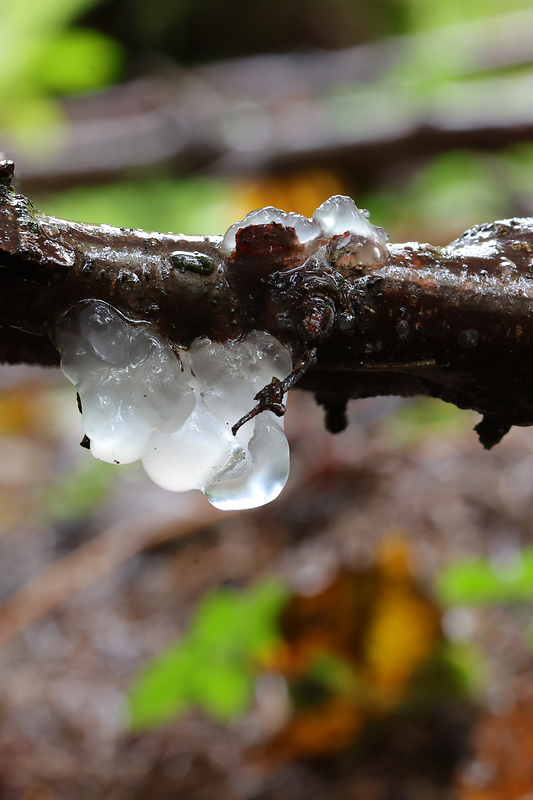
(452, 322)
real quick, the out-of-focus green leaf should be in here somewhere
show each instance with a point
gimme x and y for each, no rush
(26, 115)
(39, 54)
(479, 581)
(164, 689)
(212, 666)
(26, 29)
(426, 16)
(454, 191)
(195, 206)
(228, 694)
(80, 60)
(420, 418)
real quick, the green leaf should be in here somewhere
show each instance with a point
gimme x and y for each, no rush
(479, 581)
(233, 622)
(41, 54)
(26, 29)
(197, 205)
(164, 690)
(80, 60)
(417, 419)
(225, 692)
(212, 667)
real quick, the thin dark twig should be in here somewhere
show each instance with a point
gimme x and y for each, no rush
(270, 397)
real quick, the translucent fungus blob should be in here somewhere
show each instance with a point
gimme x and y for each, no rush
(305, 229)
(139, 402)
(338, 216)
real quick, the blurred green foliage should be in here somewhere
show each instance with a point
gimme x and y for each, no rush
(415, 420)
(195, 205)
(449, 50)
(452, 191)
(234, 635)
(42, 55)
(422, 16)
(481, 581)
(212, 666)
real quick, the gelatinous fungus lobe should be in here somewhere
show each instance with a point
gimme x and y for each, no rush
(141, 402)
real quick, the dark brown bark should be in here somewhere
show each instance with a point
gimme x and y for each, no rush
(454, 322)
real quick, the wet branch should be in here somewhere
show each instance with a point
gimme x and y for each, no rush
(451, 322)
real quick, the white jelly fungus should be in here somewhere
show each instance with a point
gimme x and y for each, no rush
(138, 402)
(334, 217)
(305, 229)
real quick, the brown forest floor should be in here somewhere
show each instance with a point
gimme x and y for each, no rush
(64, 675)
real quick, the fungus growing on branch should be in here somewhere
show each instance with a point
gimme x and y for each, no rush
(322, 302)
(189, 413)
(139, 401)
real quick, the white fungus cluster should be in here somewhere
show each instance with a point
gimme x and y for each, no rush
(336, 216)
(141, 401)
(138, 402)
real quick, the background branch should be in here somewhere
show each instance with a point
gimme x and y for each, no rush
(352, 108)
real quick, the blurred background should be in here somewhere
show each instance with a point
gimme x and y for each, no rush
(367, 635)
